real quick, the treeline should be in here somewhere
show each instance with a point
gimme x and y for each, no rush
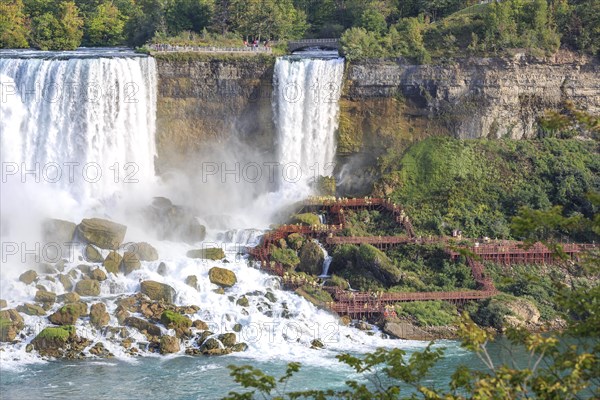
(417, 29)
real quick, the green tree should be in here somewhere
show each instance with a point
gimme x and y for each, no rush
(105, 26)
(358, 43)
(374, 21)
(13, 25)
(188, 15)
(62, 31)
(146, 18)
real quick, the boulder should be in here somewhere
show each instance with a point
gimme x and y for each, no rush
(112, 262)
(58, 231)
(316, 344)
(523, 311)
(98, 315)
(28, 277)
(200, 325)
(144, 251)
(169, 344)
(210, 344)
(98, 275)
(243, 301)
(85, 269)
(192, 281)
(162, 269)
(406, 331)
(100, 351)
(180, 323)
(92, 254)
(271, 296)
(52, 339)
(239, 347)
(309, 219)
(88, 287)
(203, 337)
(158, 291)
(44, 296)
(3, 303)
(211, 253)
(130, 263)
(345, 320)
(237, 328)
(69, 314)
(227, 339)
(379, 265)
(70, 297)
(11, 323)
(143, 326)
(31, 309)
(66, 281)
(311, 259)
(222, 277)
(173, 222)
(295, 241)
(102, 233)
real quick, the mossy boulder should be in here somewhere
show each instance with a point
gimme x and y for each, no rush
(295, 241)
(315, 295)
(286, 257)
(325, 185)
(98, 275)
(70, 297)
(112, 262)
(222, 277)
(180, 323)
(53, 338)
(69, 314)
(58, 231)
(228, 339)
(11, 323)
(88, 287)
(337, 281)
(144, 251)
(28, 277)
(92, 254)
(130, 262)
(99, 317)
(379, 265)
(31, 309)
(102, 233)
(169, 344)
(212, 253)
(309, 219)
(44, 296)
(311, 259)
(158, 291)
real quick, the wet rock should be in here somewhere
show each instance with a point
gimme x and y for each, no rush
(130, 263)
(271, 297)
(66, 281)
(3, 303)
(222, 277)
(98, 275)
(31, 309)
(28, 277)
(144, 251)
(143, 326)
(180, 323)
(237, 328)
(99, 350)
(203, 337)
(58, 231)
(363, 326)
(345, 320)
(295, 241)
(11, 323)
(227, 339)
(162, 269)
(239, 347)
(173, 222)
(102, 233)
(200, 325)
(311, 258)
(88, 287)
(98, 315)
(70, 297)
(44, 296)
(316, 344)
(169, 344)
(112, 262)
(158, 291)
(219, 291)
(60, 342)
(210, 344)
(92, 254)
(85, 269)
(213, 253)
(121, 315)
(192, 281)
(243, 301)
(405, 330)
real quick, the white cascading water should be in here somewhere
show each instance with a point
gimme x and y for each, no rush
(277, 327)
(306, 117)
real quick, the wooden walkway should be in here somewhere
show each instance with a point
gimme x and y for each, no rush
(370, 304)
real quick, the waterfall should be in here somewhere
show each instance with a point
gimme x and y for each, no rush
(306, 111)
(85, 125)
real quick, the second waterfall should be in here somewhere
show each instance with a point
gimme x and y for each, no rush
(306, 112)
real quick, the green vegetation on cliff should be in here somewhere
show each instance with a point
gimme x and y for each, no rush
(477, 186)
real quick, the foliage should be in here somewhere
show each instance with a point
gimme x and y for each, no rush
(13, 28)
(104, 27)
(428, 313)
(59, 30)
(308, 219)
(314, 294)
(286, 257)
(569, 122)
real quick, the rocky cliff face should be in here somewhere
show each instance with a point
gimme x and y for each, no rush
(468, 98)
(205, 100)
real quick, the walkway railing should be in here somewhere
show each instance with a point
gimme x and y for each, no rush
(167, 48)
